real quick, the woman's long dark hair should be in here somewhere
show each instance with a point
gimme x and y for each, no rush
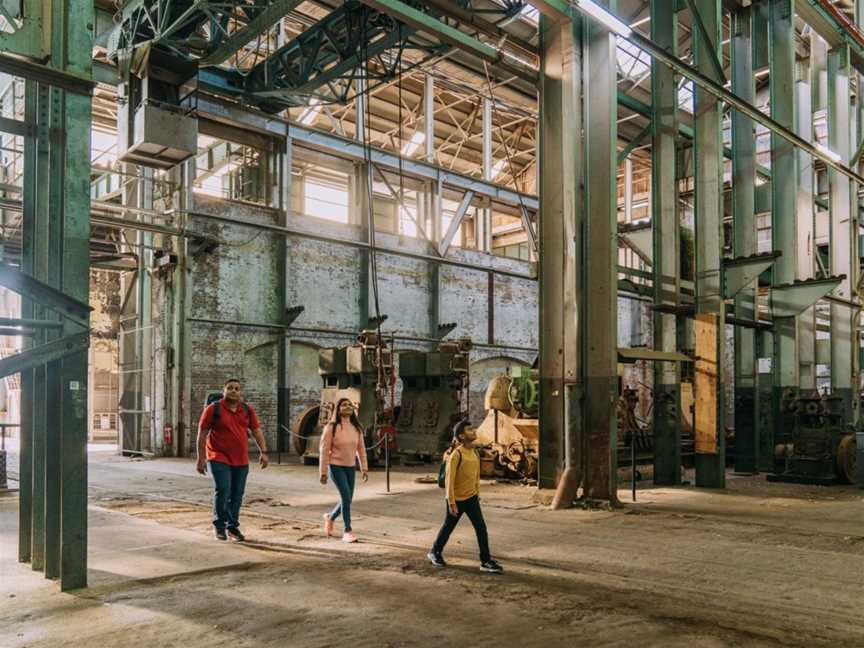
(336, 419)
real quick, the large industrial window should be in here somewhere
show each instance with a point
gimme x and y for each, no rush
(232, 171)
(325, 194)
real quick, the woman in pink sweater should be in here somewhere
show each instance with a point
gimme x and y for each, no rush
(342, 445)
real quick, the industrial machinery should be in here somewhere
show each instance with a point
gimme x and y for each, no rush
(821, 448)
(363, 373)
(509, 435)
(434, 397)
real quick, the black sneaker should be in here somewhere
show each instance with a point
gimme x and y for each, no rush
(492, 567)
(235, 533)
(436, 559)
(220, 534)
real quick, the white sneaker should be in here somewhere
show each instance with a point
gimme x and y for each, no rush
(349, 536)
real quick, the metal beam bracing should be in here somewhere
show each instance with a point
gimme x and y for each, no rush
(712, 51)
(601, 301)
(455, 224)
(211, 108)
(425, 22)
(561, 169)
(843, 235)
(784, 220)
(258, 25)
(27, 286)
(44, 353)
(666, 247)
(710, 333)
(324, 61)
(641, 136)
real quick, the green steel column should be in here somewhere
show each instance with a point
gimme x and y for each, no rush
(41, 263)
(744, 230)
(76, 282)
(284, 384)
(784, 180)
(859, 437)
(710, 336)
(600, 267)
(561, 242)
(806, 227)
(77, 37)
(53, 418)
(664, 212)
(843, 235)
(361, 185)
(25, 458)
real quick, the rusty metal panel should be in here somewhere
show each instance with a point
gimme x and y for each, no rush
(706, 379)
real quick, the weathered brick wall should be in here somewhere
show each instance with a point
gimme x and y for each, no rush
(240, 282)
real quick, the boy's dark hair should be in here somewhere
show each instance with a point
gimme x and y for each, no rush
(230, 380)
(459, 428)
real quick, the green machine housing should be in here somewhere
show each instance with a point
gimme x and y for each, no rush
(434, 397)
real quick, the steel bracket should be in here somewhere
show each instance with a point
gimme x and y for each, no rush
(292, 313)
(740, 272)
(789, 300)
(45, 353)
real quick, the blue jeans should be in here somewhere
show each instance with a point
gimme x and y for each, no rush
(343, 478)
(230, 484)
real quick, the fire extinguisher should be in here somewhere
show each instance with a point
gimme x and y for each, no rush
(167, 435)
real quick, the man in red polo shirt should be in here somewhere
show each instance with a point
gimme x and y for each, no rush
(222, 439)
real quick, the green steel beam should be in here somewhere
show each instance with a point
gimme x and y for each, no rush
(601, 362)
(25, 460)
(843, 240)
(41, 292)
(805, 209)
(44, 353)
(257, 26)
(666, 247)
(712, 52)
(784, 220)
(632, 144)
(431, 25)
(710, 334)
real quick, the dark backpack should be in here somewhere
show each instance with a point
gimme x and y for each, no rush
(217, 410)
(442, 471)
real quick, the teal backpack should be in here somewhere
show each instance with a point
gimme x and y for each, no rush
(442, 471)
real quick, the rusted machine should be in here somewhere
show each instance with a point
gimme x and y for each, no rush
(434, 397)
(510, 432)
(821, 448)
(364, 374)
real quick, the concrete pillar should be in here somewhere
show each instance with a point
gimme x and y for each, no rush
(560, 169)
(600, 267)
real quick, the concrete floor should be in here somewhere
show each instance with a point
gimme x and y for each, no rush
(756, 565)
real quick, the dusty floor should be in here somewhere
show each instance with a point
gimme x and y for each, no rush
(757, 565)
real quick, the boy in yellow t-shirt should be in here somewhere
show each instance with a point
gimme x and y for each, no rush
(462, 488)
